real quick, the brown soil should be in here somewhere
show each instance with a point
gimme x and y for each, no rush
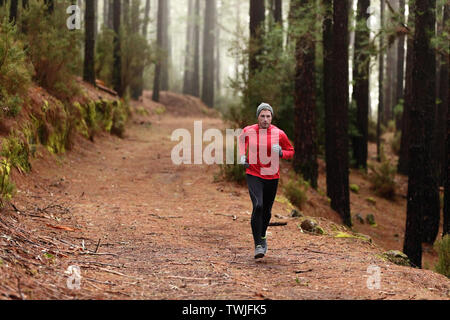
(140, 227)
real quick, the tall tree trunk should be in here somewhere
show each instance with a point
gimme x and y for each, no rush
(196, 70)
(13, 11)
(135, 21)
(441, 112)
(126, 14)
(217, 53)
(328, 88)
(257, 17)
(446, 167)
(276, 8)
(208, 53)
(146, 19)
(422, 187)
(403, 158)
(380, 112)
(361, 62)
(400, 64)
(337, 156)
(89, 44)
(96, 19)
(24, 26)
(117, 70)
(138, 88)
(388, 86)
(159, 36)
(278, 11)
(110, 21)
(105, 12)
(238, 31)
(340, 198)
(187, 80)
(305, 141)
(165, 47)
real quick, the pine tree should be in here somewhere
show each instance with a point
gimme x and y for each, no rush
(361, 84)
(257, 18)
(117, 70)
(305, 141)
(208, 53)
(336, 42)
(422, 187)
(13, 11)
(89, 46)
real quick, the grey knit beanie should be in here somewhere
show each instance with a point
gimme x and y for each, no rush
(263, 106)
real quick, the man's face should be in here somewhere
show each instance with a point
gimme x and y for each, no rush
(265, 119)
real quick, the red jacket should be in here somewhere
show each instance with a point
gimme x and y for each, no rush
(259, 154)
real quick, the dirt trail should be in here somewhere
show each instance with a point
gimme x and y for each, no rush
(160, 231)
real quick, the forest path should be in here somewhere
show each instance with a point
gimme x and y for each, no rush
(154, 230)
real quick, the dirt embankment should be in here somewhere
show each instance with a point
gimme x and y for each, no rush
(137, 226)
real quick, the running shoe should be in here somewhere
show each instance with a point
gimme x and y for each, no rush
(264, 244)
(259, 251)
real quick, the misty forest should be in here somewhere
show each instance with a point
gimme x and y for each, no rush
(90, 92)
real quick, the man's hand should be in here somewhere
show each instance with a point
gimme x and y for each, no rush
(277, 149)
(244, 162)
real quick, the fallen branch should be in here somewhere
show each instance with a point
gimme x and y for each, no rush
(274, 224)
(99, 254)
(226, 215)
(118, 273)
(165, 217)
(98, 244)
(304, 271)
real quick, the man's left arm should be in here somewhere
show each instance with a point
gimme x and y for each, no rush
(286, 146)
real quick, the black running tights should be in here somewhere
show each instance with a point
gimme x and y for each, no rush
(262, 192)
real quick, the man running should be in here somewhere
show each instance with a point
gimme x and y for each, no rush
(264, 144)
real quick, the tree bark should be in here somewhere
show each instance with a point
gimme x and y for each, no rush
(400, 65)
(422, 187)
(95, 19)
(13, 11)
(187, 80)
(328, 87)
(276, 8)
(208, 53)
(89, 44)
(305, 137)
(105, 12)
(196, 70)
(117, 72)
(446, 167)
(165, 47)
(146, 18)
(441, 112)
(159, 36)
(110, 21)
(403, 159)
(337, 112)
(217, 60)
(138, 88)
(257, 17)
(361, 63)
(380, 112)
